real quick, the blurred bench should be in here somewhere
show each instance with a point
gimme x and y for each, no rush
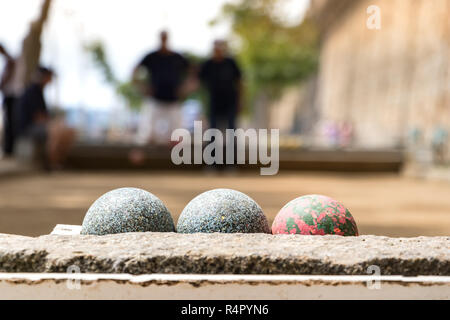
(110, 157)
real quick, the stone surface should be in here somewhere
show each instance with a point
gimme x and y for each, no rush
(143, 253)
(127, 210)
(222, 210)
(315, 215)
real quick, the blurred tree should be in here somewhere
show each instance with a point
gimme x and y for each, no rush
(272, 54)
(28, 60)
(126, 89)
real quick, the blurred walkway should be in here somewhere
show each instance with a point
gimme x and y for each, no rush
(11, 168)
(381, 204)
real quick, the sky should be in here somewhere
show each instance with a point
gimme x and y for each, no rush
(128, 28)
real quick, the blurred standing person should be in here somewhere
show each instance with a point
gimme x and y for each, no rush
(9, 99)
(222, 78)
(33, 123)
(166, 70)
(19, 70)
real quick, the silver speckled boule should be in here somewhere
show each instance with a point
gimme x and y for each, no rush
(127, 210)
(222, 210)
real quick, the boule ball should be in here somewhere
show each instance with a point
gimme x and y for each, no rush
(315, 215)
(127, 210)
(224, 211)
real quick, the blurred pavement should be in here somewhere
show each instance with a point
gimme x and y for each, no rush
(382, 204)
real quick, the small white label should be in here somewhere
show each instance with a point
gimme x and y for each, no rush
(66, 229)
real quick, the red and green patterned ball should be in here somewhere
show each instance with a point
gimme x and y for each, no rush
(314, 215)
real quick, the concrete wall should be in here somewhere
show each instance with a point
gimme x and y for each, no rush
(219, 253)
(57, 286)
(294, 112)
(222, 266)
(392, 80)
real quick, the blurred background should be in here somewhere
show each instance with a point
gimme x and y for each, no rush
(363, 112)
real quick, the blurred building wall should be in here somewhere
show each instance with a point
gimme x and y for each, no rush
(295, 112)
(387, 82)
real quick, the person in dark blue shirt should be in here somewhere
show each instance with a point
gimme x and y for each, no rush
(9, 100)
(50, 137)
(222, 78)
(32, 112)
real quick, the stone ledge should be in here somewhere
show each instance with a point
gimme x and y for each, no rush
(146, 253)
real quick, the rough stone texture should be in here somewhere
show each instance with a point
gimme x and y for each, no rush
(127, 210)
(222, 210)
(141, 253)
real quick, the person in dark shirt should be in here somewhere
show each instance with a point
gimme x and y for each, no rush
(50, 137)
(166, 71)
(32, 113)
(222, 78)
(9, 100)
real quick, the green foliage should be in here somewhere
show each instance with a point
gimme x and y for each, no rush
(130, 93)
(125, 89)
(272, 55)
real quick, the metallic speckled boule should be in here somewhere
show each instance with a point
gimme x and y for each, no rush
(222, 210)
(127, 210)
